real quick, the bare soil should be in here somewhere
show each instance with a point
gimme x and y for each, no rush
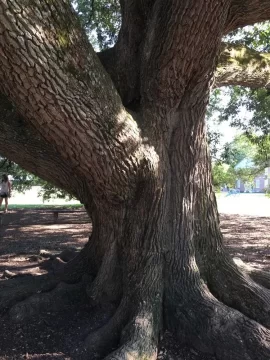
(30, 244)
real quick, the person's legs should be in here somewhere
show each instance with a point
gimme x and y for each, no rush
(6, 204)
(1, 200)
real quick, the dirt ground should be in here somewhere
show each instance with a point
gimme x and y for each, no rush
(27, 238)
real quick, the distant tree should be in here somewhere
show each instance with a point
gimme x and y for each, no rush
(101, 20)
(262, 155)
(247, 105)
(48, 192)
(22, 180)
(246, 148)
(238, 149)
(223, 174)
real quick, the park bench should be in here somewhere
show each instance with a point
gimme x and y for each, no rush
(56, 213)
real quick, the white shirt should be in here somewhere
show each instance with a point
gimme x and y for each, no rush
(4, 187)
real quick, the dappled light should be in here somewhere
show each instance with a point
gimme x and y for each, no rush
(26, 232)
(248, 238)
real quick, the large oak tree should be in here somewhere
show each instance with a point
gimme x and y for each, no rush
(124, 132)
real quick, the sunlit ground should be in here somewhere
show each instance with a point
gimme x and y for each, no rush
(244, 204)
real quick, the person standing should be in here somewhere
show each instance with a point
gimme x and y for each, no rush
(5, 191)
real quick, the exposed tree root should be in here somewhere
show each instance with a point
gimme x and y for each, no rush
(107, 285)
(73, 270)
(206, 324)
(18, 289)
(236, 289)
(195, 316)
(68, 254)
(30, 294)
(61, 297)
(22, 281)
(259, 276)
(139, 339)
(135, 326)
(193, 313)
(101, 341)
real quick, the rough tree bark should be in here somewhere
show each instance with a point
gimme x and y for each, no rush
(240, 65)
(143, 171)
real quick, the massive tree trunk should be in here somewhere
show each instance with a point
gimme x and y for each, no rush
(156, 249)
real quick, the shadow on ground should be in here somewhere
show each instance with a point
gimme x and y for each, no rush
(60, 336)
(25, 233)
(248, 238)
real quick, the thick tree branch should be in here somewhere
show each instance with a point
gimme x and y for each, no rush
(51, 72)
(124, 60)
(21, 143)
(177, 59)
(240, 65)
(247, 12)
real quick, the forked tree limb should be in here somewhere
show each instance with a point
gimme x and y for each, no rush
(154, 232)
(247, 12)
(55, 131)
(241, 65)
(23, 144)
(53, 75)
(238, 65)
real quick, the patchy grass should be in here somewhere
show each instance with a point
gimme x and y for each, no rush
(41, 206)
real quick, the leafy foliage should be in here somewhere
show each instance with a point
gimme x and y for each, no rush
(256, 36)
(248, 110)
(213, 138)
(49, 191)
(213, 111)
(223, 174)
(262, 156)
(101, 19)
(23, 180)
(242, 148)
(237, 150)
(245, 109)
